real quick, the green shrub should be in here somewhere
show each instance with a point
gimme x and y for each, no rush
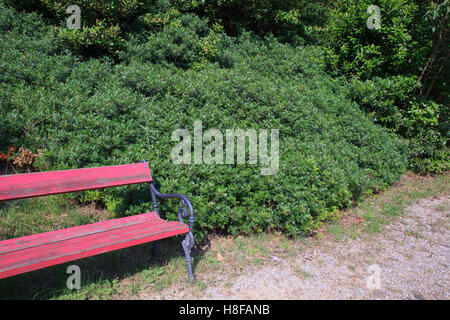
(95, 112)
(105, 24)
(399, 72)
(289, 20)
(115, 11)
(372, 52)
(392, 103)
(96, 40)
(184, 44)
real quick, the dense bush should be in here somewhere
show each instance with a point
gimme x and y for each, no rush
(186, 44)
(392, 103)
(86, 113)
(105, 24)
(262, 16)
(399, 72)
(373, 52)
(411, 33)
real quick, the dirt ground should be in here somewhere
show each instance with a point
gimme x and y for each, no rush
(410, 259)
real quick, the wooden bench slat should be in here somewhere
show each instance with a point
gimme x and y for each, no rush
(73, 246)
(83, 241)
(21, 186)
(35, 240)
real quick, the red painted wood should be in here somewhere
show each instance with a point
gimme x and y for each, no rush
(43, 250)
(73, 232)
(29, 185)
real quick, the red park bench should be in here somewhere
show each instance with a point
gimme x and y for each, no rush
(42, 250)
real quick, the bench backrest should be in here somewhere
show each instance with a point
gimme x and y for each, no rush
(19, 186)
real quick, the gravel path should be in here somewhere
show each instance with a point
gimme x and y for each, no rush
(411, 256)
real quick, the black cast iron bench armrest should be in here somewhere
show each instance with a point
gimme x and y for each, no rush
(188, 242)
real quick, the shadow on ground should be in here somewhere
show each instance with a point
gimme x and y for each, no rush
(51, 282)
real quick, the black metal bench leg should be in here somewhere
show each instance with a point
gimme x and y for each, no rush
(155, 249)
(187, 244)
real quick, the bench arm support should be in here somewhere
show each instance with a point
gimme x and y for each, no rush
(183, 212)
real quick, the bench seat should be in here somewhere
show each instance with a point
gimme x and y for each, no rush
(38, 251)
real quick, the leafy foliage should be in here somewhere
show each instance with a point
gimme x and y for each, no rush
(82, 113)
(105, 23)
(289, 20)
(392, 103)
(399, 72)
